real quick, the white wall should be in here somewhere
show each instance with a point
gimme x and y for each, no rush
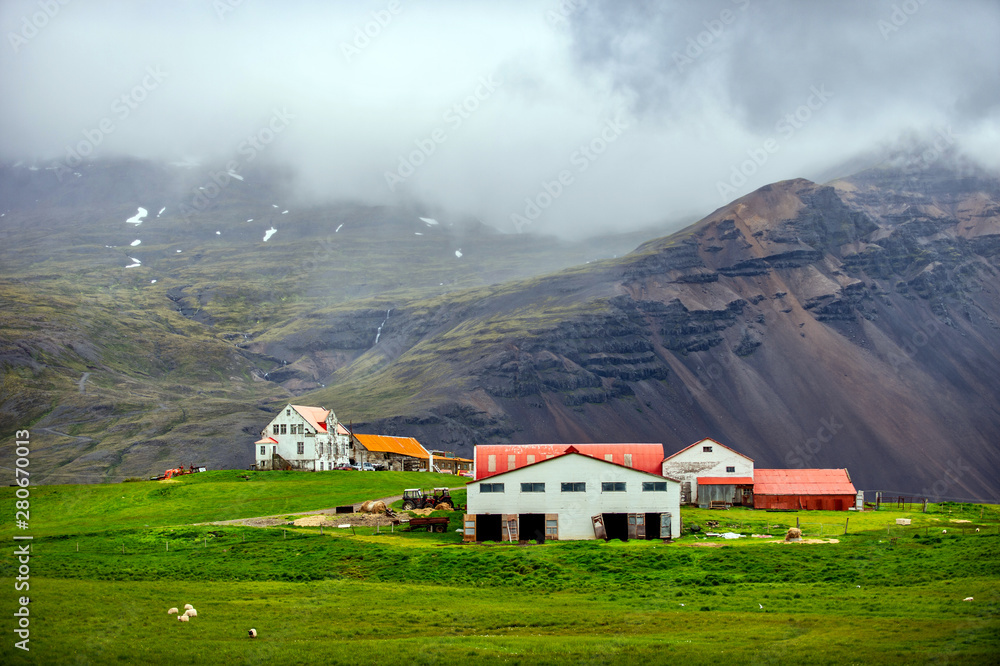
(694, 462)
(334, 447)
(576, 509)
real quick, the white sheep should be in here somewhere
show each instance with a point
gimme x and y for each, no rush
(968, 599)
(183, 618)
(944, 531)
(188, 606)
(172, 611)
(252, 633)
(191, 612)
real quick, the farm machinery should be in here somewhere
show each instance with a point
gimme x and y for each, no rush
(415, 498)
(177, 471)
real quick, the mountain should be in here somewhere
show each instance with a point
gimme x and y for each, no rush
(851, 324)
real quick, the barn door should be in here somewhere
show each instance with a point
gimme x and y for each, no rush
(510, 526)
(599, 530)
(686, 493)
(469, 521)
(636, 526)
(551, 527)
(665, 528)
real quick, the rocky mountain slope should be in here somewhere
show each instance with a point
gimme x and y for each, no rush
(852, 324)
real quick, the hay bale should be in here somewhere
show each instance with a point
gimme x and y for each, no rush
(793, 533)
(172, 611)
(377, 507)
(443, 507)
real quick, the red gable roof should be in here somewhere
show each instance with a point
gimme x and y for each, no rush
(645, 457)
(316, 416)
(802, 482)
(266, 440)
(725, 480)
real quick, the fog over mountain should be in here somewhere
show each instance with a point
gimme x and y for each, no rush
(602, 114)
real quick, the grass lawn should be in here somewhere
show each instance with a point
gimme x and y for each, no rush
(101, 582)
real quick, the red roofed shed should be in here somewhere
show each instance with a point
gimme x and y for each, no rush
(813, 489)
(494, 459)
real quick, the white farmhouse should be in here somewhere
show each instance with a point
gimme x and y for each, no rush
(307, 438)
(710, 471)
(572, 496)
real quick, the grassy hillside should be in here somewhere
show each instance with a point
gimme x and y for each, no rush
(101, 582)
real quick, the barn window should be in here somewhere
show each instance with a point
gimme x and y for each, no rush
(263, 450)
(731, 470)
(284, 428)
(491, 487)
(532, 487)
(574, 487)
(706, 449)
(321, 466)
(654, 486)
(531, 459)
(628, 459)
(612, 486)
(609, 457)
(300, 447)
(492, 465)
(511, 461)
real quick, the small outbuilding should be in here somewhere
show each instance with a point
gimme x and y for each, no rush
(400, 454)
(810, 489)
(572, 496)
(727, 475)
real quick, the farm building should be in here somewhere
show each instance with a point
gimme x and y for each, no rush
(499, 458)
(826, 489)
(447, 462)
(400, 454)
(711, 472)
(299, 437)
(571, 496)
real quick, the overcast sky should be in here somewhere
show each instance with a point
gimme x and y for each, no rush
(670, 99)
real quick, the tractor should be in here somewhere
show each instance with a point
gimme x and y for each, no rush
(415, 498)
(441, 496)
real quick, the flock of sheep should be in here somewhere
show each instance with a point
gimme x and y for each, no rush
(189, 612)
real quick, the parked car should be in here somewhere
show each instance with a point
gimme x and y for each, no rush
(466, 473)
(343, 467)
(367, 467)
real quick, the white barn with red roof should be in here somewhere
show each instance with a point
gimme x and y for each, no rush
(571, 495)
(711, 472)
(306, 438)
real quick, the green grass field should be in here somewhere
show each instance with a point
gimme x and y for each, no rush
(101, 582)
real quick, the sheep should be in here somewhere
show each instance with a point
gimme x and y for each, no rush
(252, 633)
(944, 531)
(172, 611)
(968, 599)
(183, 618)
(191, 612)
(188, 606)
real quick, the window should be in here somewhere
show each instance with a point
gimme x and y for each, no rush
(612, 486)
(263, 450)
(288, 412)
(320, 448)
(531, 459)
(321, 466)
(284, 428)
(628, 459)
(532, 487)
(654, 486)
(511, 462)
(300, 447)
(275, 429)
(730, 469)
(492, 464)
(574, 487)
(491, 487)
(609, 457)
(551, 528)
(706, 449)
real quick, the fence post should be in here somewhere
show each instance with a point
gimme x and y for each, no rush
(123, 547)
(168, 546)
(846, 523)
(78, 546)
(796, 522)
(283, 533)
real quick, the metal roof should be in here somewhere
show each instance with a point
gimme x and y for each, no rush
(802, 482)
(645, 457)
(406, 446)
(266, 440)
(571, 450)
(702, 441)
(316, 416)
(725, 480)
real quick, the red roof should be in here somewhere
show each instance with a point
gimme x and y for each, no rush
(316, 416)
(645, 457)
(725, 480)
(802, 482)
(266, 440)
(702, 441)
